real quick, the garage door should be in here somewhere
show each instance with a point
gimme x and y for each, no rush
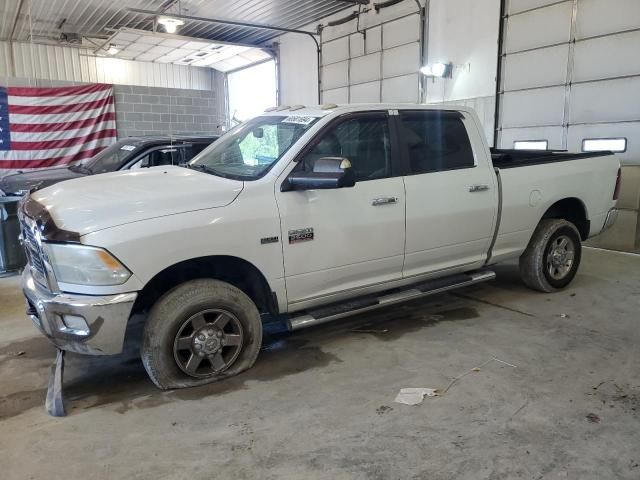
(571, 75)
(381, 66)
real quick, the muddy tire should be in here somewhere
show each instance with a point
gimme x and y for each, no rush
(200, 332)
(552, 257)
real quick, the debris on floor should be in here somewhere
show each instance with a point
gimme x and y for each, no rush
(415, 396)
(476, 370)
(382, 409)
(593, 418)
(363, 330)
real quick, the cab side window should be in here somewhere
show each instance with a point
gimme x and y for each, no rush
(436, 140)
(363, 139)
(161, 157)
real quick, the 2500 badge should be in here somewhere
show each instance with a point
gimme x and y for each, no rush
(300, 235)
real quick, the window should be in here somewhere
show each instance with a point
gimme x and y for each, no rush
(251, 90)
(618, 145)
(364, 140)
(249, 150)
(531, 145)
(437, 141)
(160, 157)
(112, 157)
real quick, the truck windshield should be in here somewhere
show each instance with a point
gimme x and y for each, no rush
(249, 150)
(112, 157)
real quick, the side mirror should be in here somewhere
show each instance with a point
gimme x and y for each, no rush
(328, 173)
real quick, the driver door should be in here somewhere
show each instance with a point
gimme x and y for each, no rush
(339, 243)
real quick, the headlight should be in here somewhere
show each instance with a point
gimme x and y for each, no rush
(84, 265)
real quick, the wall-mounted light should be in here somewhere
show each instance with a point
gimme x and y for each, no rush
(113, 49)
(170, 24)
(440, 70)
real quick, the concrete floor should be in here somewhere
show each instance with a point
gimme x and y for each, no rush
(319, 404)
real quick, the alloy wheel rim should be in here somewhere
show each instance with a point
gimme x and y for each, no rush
(561, 257)
(208, 343)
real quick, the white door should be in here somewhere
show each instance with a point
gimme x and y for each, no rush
(340, 240)
(451, 196)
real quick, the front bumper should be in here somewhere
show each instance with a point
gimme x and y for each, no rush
(95, 325)
(612, 216)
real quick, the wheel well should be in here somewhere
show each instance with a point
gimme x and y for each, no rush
(233, 270)
(572, 210)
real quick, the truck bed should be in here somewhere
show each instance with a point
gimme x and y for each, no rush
(503, 158)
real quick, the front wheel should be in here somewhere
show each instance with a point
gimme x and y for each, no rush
(200, 332)
(552, 257)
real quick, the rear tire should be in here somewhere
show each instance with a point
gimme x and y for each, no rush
(199, 332)
(552, 257)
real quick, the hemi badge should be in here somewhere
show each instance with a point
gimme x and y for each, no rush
(266, 240)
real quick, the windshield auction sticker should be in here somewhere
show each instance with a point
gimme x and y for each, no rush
(128, 147)
(299, 119)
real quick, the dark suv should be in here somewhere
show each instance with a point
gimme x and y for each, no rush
(130, 152)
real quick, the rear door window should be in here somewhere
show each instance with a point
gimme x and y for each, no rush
(436, 141)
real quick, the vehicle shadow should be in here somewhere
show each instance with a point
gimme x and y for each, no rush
(121, 381)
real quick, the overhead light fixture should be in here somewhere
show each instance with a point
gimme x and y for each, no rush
(440, 70)
(113, 49)
(170, 24)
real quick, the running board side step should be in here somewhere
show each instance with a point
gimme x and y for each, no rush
(352, 307)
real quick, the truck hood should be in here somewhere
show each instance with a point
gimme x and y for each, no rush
(102, 201)
(25, 181)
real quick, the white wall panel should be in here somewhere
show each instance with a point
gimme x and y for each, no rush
(538, 28)
(337, 95)
(335, 75)
(356, 44)
(607, 101)
(52, 62)
(551, 134)
(600, 17)
(400, 89)
(630, 131)
(516, 6)
(607, 57)
(550, 68)
(539, 107)
(365, 93)
(401, 60)
(401, 31)
(373, 42)
(365, 69)
(335, 51)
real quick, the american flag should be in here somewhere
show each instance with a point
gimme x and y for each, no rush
(45, 127)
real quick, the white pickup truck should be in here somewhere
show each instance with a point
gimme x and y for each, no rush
(306, 214)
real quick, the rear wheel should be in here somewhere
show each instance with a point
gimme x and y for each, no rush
(200, 332)
(552, 257)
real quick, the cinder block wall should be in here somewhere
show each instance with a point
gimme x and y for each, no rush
(151, 111)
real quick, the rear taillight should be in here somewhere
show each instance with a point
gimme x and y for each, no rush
(616, 191)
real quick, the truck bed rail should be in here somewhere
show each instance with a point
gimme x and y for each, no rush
(504, 158)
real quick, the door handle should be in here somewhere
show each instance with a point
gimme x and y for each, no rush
(478, 188)
(376, 202)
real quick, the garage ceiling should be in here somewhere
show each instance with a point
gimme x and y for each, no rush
(100, 18)
(164, 48)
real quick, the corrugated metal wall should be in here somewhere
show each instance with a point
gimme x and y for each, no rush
(52, 62)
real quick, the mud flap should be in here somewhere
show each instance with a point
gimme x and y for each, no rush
(55, 399)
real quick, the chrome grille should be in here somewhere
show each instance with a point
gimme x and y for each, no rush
(33, 251)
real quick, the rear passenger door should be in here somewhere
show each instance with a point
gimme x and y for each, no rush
(450, 193)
